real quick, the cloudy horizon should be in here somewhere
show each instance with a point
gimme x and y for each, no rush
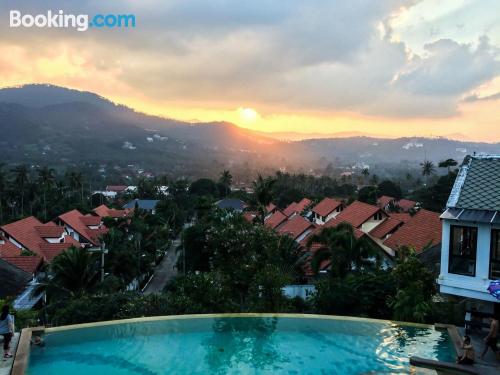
(388, 67)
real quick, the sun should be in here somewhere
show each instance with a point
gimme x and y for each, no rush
(248, 115)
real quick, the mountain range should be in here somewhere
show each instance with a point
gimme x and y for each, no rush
(56, 125)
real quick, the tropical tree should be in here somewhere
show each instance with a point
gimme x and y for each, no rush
(427, 169)
(3, 190)
(340, 246)
(225, 180)
(263, 190)
(46, 179)
(74, 272)
(448, 163)
(365, 172)
(21, 179)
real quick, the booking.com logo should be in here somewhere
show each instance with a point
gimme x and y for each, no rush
(80, 22)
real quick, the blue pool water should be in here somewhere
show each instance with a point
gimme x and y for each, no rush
(239, 345)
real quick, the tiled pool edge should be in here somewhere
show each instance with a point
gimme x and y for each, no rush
(21, 359)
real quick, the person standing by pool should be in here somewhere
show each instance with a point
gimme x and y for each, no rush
(468, 355)
(491, 340)
(6, 330)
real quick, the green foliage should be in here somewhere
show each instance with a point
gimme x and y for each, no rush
(368, 194)
(204, 187)
(389, 188)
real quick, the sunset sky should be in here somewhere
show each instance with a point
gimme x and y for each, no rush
(382, 67)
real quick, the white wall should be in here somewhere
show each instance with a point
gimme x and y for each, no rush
(467, 286)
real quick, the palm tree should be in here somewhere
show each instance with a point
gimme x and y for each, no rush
(427, 169)
(3, 190)
(75, 272)
(365, 172)
(448, 163)
(263, 192)
(21, 179)
(342, 248)
(226, 180)
(76, 182)
(46, 179)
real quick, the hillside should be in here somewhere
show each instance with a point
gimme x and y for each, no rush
(55, 125)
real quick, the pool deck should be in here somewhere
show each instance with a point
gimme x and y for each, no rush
(6, 366)
(490, 365)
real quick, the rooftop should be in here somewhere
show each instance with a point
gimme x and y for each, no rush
(275, 219)
(423, 230)
(326, 206)
(477, 185)
(295, 226)
(357, 213)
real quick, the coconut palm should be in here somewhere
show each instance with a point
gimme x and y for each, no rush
(46, 178)
(427, 169)
(365, 172)
(226, 180)
(74, 272)
(340, 246)
(263, 193)
(21, 179)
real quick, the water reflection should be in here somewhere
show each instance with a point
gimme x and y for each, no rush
(239, 341)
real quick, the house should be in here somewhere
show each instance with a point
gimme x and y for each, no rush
(148, 205)
(326, 209)
(104, 211)
(271, 209)
(231, 204)
(86, 229)
(13, 280)
(385, 257)
(422, 232)
(470, 251)
(385, 201)
(385, 229)
(117, 189)
(29, 234)
(406, 205)
(275, 220)
(297, 227)
(296, 208)
(362, 215)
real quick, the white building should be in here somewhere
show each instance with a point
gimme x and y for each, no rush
(470, 252)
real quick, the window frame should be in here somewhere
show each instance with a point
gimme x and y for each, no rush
(492, 244)
(450, 252)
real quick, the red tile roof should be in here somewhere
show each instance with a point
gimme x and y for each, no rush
(402, 216)
(357, 213)
(29, 264)
(295, 226)
(290, 209)
(30, 233)
(271, 207)
(384, 200)
(297, 207)
(275, 220)
(91, 220)
(8, 249)
(326, 206)
(51, 250)
(24, 232)
(332, 223)
(76, 220)
(406, 204)
(388, 226)
(116, 188)
(422, 230)
(50, 230)
(105, 211)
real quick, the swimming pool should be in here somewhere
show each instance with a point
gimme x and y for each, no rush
(236, 344)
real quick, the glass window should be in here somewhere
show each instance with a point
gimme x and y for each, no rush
(463, 246)
(495, 255)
